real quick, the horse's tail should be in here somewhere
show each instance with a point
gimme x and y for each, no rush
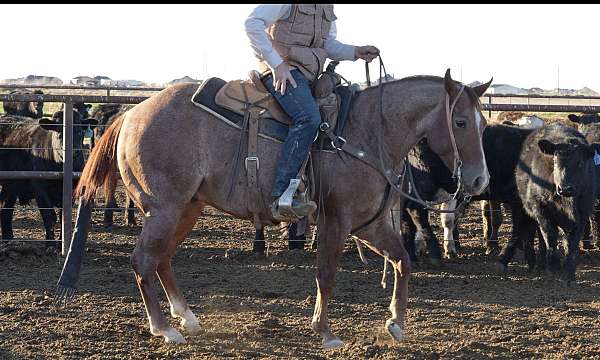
(99, 169)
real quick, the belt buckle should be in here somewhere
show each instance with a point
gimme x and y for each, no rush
(252, 158)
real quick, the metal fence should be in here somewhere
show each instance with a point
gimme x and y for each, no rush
(68, 175)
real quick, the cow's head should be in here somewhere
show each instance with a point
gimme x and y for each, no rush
(584, 120)
(570, 161)
(38, 108)
(55, 125)
(83, 109)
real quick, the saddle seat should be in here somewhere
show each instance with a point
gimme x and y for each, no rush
(238, 95)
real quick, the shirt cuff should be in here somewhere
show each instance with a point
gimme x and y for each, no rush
(273, 59)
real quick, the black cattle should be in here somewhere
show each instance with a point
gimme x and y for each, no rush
(24, 108)
(106, 114)
(589, 126)
(502, 146)
(556, 182)
(35, 145)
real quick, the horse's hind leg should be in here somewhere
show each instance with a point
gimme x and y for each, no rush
(178, 305)
(150, 250)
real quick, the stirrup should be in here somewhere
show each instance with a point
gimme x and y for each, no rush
(283, 209)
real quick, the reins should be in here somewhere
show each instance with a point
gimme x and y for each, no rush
(396, 180)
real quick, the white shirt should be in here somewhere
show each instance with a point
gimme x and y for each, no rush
(264, 16)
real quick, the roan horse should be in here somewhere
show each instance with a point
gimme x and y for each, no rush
(173, 159)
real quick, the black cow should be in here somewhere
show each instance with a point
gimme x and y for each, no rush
(106, 115)
(25, 108)
(430, 174)
(502, 147)
(556, 181)
(35, 145)
(589, 126)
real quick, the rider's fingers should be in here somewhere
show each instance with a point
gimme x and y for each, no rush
(283, 86)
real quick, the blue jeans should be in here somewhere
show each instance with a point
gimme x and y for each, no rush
(299, 104)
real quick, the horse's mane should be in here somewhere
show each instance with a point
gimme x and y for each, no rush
(431, 78)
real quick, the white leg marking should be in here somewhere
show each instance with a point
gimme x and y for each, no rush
(395, 330)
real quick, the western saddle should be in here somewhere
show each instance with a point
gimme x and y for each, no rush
(251, 99)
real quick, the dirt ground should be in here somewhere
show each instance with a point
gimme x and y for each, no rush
(252, 307)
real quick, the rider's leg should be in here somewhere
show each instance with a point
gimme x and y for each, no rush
(299, 105)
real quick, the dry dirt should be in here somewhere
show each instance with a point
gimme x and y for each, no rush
(253, 307)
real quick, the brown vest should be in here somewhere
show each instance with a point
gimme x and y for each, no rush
(300, 38)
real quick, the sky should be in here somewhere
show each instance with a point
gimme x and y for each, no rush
(522, 45)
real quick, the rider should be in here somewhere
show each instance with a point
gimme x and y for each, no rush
(292, 42)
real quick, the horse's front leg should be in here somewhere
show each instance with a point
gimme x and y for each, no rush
(382, 239)
(330, 240)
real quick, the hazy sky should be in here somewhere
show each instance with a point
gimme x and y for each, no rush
(517, 44)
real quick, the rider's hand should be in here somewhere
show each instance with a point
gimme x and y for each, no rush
(281, 75)
(367, 53)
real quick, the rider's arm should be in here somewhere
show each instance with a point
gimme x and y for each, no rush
(337, 50)
(256, 24)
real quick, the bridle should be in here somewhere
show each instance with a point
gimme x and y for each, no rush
(396, 181)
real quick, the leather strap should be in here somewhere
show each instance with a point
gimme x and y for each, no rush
(252, 165)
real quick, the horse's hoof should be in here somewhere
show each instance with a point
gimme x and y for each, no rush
(394, 330)
(173, 336)
(191, 325)
(333, 344)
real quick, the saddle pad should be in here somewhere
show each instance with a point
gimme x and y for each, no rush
(204, 97)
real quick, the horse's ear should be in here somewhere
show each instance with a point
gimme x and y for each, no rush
(480, 89)
(449, 84)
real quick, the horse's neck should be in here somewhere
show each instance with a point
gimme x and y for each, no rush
(406, 110)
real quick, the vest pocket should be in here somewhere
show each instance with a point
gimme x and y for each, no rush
(304, 23)
(329, 17)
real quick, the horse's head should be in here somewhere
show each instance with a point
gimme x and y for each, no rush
(458, 143)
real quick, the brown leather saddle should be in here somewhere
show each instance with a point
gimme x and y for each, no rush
(249, 106)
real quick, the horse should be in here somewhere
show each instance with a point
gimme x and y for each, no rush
(174, 158)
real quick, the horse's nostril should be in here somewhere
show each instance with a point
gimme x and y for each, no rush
(478, 182)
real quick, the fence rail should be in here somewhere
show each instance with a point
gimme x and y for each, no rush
(67, 175)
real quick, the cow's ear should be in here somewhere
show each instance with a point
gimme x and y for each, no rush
(547, 147)
(574, 118)
(92, 123)
(480, 89)
(50, 125)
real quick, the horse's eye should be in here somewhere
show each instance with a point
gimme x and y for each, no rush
(461, 123)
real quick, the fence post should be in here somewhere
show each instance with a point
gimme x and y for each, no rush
(67, 176)
(490, 102)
